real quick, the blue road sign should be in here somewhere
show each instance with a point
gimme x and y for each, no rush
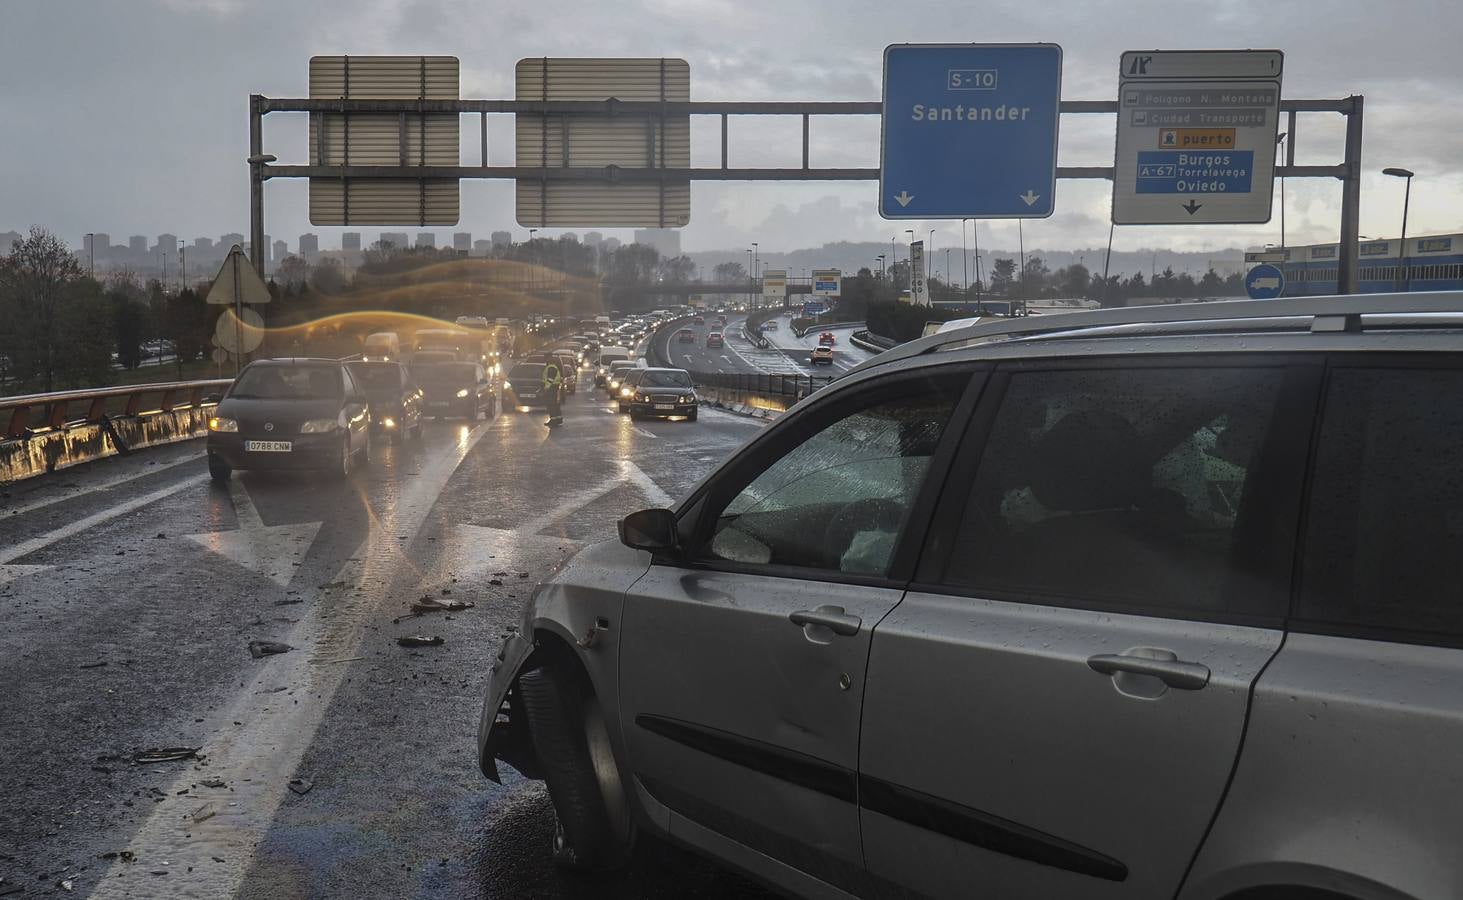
(970, 131)
(1264, 282)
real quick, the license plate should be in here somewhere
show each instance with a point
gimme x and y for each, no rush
(267, 446)
(665, 406)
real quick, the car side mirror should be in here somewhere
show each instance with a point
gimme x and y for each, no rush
(650, 529)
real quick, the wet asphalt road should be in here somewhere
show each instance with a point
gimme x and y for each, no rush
(131, 589)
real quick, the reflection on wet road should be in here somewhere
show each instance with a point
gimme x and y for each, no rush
(344, 766)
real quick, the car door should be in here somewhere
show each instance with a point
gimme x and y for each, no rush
(1055, 708)
(742, 658)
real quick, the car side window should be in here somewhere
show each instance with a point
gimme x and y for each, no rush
(838, 500)
(1384, 529)
(351, 391)
(1122, 489)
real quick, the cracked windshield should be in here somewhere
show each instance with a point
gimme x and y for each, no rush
(697, 449)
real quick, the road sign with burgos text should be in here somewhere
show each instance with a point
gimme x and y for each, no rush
(970, 130)
(1196, 136)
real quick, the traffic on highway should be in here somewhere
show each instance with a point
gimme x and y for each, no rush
(1024, 473)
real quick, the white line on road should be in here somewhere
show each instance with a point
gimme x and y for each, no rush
(83, 490)
(649, 434)
(40, 542)
(256, 759)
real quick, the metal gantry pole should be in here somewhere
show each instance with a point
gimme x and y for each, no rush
(256, 184)
(1348, 269)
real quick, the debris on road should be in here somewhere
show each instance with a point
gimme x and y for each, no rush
(301, 786)
(432, 605)
(289, 602)
(124, 855)
(212, 782)
(420, 641)
(331, 584)
(92, 665)
(258, 649)
(204, 813)
(496, 581)
(165, 754)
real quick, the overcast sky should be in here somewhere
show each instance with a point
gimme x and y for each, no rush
(130, 116)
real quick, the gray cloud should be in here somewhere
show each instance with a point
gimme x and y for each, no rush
(130, 117)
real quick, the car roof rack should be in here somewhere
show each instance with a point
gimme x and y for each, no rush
(1328, 314)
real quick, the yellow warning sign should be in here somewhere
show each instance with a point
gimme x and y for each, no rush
(1196, 138)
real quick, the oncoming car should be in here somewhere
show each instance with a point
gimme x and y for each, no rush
(290, 414)
(1106, 604)
(662, 393)
(686, 336)
(827, 339)
(396, 401)
(715, 339)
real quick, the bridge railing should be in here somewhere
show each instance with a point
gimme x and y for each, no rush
(30, 413)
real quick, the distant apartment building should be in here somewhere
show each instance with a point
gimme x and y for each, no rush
(281, 250)
(502, 238)
(593, 238)
(203, 245)
(167, 243)
(610, 244)
(137, 245)
(397, 239)
(351, 241)
(8, 239)
(482, 248)
(666, 241)
(426, 239)
(569, 236)
(228, 240)
(310, 247)
(462, 241)
(100, 245)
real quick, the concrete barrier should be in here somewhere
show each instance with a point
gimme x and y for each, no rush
(71, 445)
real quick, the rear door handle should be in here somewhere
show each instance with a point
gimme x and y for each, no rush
(1184, 676)
(831, 617)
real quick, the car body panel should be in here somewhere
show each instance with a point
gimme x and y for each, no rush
(1350, 769)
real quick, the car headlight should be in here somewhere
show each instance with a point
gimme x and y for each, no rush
(507, 385)
(462, 394)
(318, 426)
(641, 398)
(688, 398)
(625, 392)
(388, 422)
(220, 423)
(614, 385)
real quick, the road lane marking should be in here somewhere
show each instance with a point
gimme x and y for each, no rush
(266, 550)
(257, 759)
(40, 542)
(10, 573)
(82, 491)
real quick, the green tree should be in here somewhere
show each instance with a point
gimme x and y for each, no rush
(1074, 280)
(1003, 275)
(186, 324)
(55, 327)
(131, 313)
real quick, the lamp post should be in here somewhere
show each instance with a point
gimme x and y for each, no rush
(979, 287)
(182, 265)
(756, 263)
(964, 260)
(91, 255)
(751, 279)
(1404, 277)
(880, 260)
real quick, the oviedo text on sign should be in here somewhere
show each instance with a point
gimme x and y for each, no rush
(1196, 136)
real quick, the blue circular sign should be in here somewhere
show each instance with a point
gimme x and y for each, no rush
(1264, 282)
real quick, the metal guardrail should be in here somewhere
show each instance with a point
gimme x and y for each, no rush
(56, 407)
(764, 384)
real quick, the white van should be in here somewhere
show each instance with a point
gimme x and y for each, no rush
(383, 346)
(608, 355)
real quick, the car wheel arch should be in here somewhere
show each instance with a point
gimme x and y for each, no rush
(551, 647)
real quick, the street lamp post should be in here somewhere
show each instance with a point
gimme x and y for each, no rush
(91, 255)
(182, 264)
(964, 260)
(1404, 277)
(979, 287)
(880, 260)
(756, 261)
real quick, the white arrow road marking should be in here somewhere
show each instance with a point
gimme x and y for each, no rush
(1030, 197)
(266, 550)
(10, 573)
(904, 197)
(257, 759)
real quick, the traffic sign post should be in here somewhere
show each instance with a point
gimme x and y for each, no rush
(827, 282)
(1196, 136)
(970, 131)
(1264, 282)
(919, 293)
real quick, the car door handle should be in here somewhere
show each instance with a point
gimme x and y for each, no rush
(1184, 676)
(831, 617)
